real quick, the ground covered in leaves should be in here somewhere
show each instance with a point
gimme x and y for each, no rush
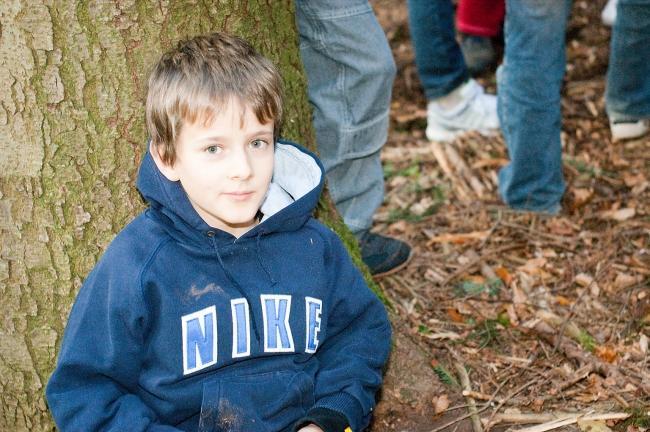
(546, 315)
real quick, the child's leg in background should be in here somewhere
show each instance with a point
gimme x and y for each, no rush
(480, 17)
(478, 21)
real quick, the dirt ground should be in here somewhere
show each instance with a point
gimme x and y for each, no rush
(546, 315)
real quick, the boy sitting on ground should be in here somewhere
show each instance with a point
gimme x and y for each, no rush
(225, 306)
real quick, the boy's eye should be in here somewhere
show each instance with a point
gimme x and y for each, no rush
(258, 144)
(212, 149)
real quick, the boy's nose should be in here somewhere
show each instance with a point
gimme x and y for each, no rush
(240, 166)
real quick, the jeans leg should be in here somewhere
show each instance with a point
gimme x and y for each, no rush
(438, 57)
(529, 83)
(628, 77)
(350, 71)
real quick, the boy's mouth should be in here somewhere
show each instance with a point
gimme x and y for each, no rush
(239, 196)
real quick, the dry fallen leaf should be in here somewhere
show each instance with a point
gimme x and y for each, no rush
(632, 180)
(581, 196)
(441, 403)
(585, 280)
(624, 280)
(593, 426)
(643, 343)
(399, 226)
(534, 267)
(561, 227)
(619, 215)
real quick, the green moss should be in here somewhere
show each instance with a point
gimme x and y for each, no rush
(586, 341)
(638, 417)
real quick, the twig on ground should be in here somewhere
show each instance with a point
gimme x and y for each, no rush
(464, 171)
(585, 357)
(464, 381)
(462, 189)
(505, 400)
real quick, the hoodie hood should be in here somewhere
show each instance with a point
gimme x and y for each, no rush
(292, 196)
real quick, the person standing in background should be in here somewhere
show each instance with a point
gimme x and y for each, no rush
(456, 103)
(627, 97)
(478, 22)
(350, 71)
(529, 82)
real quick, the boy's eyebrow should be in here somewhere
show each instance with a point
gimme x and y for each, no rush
(217, 137)
(262, 132)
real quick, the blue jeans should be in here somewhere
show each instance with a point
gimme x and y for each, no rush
(350, 71)
(529, 83)
(440, 62)
(628, 77)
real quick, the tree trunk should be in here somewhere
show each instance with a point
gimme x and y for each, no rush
(72, 134)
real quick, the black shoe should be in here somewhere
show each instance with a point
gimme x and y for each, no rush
(478, 52)
(383, 255)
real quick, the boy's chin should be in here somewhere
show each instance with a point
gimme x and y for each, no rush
(243, 221)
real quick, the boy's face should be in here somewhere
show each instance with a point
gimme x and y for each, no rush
(225, 167)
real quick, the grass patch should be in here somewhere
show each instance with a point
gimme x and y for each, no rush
(412, 170)
(638, 417)
(587, 341)
(471, 288)
(488, 332)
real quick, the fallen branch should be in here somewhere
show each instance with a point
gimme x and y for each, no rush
(549, 418)
(464, 381)
(559, 422)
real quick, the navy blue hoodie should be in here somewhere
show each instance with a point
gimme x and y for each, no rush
(181, 326)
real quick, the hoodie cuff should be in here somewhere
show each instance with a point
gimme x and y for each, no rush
(347, 405)
(325, 418)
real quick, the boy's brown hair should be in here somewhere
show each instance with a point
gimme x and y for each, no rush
(196, 79)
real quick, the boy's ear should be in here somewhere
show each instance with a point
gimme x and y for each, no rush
(167, 170)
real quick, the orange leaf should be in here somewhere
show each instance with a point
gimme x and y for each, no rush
(477, 279)
(504, 275)
(563, 301)
(490, 163)
(455, 316)
(606, 354)
(459, 238)
(582, 196)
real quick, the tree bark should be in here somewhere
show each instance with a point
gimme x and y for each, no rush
(72, 133)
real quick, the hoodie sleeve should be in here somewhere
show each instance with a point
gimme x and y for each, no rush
(92, 386)
(357, 344)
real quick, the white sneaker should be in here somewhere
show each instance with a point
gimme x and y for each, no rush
(608, 15)
(629, 130)
(465, 109)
